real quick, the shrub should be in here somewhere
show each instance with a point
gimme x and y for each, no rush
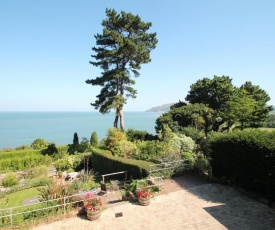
(68, 162)
(37, 171)
(114, 137)
(39, 144)
(125, 149)
(134, 135)
(38, 181)
(10, 180)
(94, 139)
(50, 150)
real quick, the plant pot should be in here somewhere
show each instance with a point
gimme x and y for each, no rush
(93, 215)
(144, 201)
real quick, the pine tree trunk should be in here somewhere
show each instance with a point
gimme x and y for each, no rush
(116, 118)
(121, 120)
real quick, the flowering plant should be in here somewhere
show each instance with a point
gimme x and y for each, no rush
(92, 202)
(144, 193)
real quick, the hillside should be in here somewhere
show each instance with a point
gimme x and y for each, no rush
(161, 108)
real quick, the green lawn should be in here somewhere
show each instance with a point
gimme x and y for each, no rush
(267, 129)
(17, 198)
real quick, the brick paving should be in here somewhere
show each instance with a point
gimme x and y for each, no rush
(184, 203)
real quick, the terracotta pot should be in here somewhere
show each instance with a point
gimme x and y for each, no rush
(144, 201)
(93, 215)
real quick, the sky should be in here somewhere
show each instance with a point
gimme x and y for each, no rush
(45, 49)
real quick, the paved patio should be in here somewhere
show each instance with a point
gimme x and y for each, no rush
(184, 204)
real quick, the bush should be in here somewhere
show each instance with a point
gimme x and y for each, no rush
(39, 144)
(10, 180)
(124, 149)
(136, 135)
(37, 171)
(94, 139)
(50, 150)
(114, 137)
(38, 181)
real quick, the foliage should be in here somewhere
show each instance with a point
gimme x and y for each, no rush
(104, 163)
(148, 150)
(270, 122)
(125, 149)
(114, 136)
(10, 180)
(94, 139)
(201, 163)
(121, 49)
(56, 191)
(137, 135)
(212, 92)
(39, 143)
(68, 162)
(76, 139)
(245, 158)
(200, 116)
(37, 171)
(50, 150)
(22, 160)
(84, 145)
(261, 110)
(38, 181)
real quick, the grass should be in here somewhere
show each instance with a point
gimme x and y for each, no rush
(17, 198)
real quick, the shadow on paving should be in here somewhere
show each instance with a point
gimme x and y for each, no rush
(233, 209)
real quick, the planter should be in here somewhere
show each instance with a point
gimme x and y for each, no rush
(144, 201)
(93, 215)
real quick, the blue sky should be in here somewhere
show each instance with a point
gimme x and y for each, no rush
(45, 49)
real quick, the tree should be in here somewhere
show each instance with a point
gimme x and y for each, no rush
(94, 139)
(121, 49)
(239, 110)
(261, 110)
(39, 143)
(76, 139)
(212, 92)
(197, 115)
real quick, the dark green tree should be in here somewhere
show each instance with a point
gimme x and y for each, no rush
(75, 140)
(197, 115)
(121, 49)
(261, 110)
(212, 92)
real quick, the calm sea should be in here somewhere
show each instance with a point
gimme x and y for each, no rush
(22, 128)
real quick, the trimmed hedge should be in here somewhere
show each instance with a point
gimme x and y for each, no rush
(246, 158)
(104, 162)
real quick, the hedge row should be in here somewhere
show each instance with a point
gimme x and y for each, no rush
(22, 160)
(104, 162)
(247, 159)
(18, 153)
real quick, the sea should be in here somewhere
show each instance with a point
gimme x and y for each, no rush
(22, 128)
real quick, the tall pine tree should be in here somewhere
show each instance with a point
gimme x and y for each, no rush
(121, 49)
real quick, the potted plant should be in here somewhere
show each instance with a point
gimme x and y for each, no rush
(144, 196)
(93, 206)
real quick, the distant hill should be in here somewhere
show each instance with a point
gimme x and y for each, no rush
(162, 108)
